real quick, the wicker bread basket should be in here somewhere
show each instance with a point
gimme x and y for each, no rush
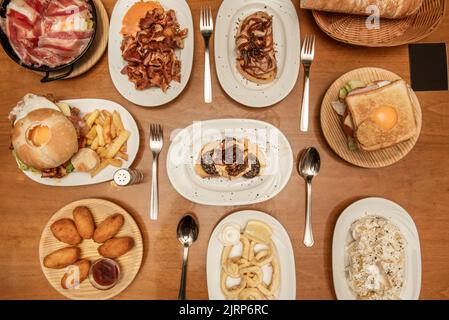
(352, 28)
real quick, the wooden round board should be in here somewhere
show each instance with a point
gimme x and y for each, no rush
(333, 132)
(352, 29)
(96, 51)
(129, 262)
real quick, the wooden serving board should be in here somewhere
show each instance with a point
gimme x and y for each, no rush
(129, 262)
(96, 51)
(337, 140)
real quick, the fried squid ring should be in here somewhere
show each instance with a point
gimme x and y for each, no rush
(251, 294)
(269, 290)
(264, 256)
(234, 291)
(232, 265)
(253, 276)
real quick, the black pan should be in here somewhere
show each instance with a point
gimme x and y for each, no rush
(68, 67)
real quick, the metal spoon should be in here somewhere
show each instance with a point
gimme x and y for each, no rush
(308, 167)
(187, 232)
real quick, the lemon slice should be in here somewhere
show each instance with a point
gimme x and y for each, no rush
(258, 231)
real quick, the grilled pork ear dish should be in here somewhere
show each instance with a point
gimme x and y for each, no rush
(149, 51)
(256, 59)
(230, 158)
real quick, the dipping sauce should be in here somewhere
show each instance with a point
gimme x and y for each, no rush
(104, 273)
(130, 23)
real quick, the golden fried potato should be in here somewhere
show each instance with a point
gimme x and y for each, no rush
(108, 228)
(62, 258)
(116, 247)
(70, 280)
(65, 231)
(84, 222)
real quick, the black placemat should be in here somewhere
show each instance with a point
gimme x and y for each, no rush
(428, 66)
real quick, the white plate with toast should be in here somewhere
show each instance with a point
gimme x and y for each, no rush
(283, 246)
(187, 144)
(342, 237)
(287, 44)
(151, 97)
(83, 178)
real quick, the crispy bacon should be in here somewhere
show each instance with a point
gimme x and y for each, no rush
(150, 54)
(31, 29)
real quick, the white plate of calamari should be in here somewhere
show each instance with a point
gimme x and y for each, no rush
(376, 253)
(250, 257)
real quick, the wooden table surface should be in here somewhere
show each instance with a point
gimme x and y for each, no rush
(419, 183)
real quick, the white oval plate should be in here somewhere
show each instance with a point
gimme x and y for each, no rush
(151, 97)
(287, 288)
(287, 45)
(186, 146)
(82, 178)
(398, 216)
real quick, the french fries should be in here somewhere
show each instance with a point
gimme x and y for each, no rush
(100, 135)
(117, 144)
(122, 155)
(92, 133)
(108, 137)
(95, 144)
(107, 130)
(117, 120)
(103, 164)
(92, 118)
(115, 162)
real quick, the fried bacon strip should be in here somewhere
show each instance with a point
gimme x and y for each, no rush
(150, 54)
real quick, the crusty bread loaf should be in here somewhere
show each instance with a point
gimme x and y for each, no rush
(392, 9)
(60, 147)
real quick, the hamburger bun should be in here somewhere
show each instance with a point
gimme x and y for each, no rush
(44, 139)
(85, 160)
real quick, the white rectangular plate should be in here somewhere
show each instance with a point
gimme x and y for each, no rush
(185, 149)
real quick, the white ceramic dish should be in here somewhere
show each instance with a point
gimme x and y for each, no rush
(82, 179)
(185, 149)
(151, 97)
(287, 45)
(398, 216)
(287, 288)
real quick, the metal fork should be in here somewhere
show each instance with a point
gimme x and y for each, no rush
(206, 28)
(307, 55)
(156, 143)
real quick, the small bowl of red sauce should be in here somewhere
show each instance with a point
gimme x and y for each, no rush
(104, 273)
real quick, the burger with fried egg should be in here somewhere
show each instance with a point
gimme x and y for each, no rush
(46, 135)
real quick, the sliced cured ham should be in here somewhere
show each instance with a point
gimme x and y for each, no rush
(48, 32)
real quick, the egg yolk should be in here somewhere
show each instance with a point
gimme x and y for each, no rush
(39, 135)
(130, 23)
(385, 117)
